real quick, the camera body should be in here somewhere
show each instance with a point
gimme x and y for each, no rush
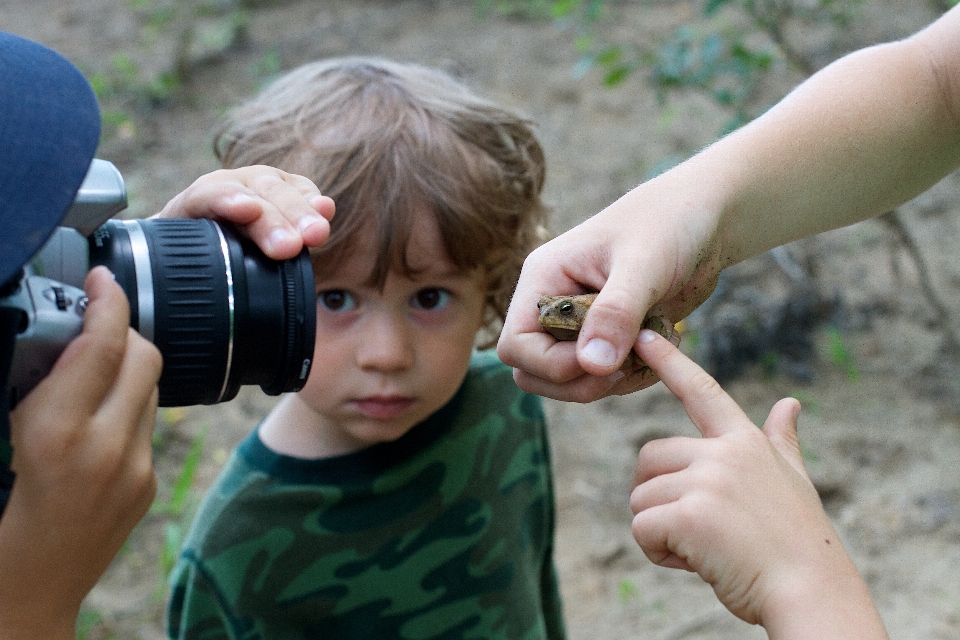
(221, 313)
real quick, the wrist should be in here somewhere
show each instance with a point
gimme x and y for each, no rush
(29, 623)
(39, 596)
(826, 599)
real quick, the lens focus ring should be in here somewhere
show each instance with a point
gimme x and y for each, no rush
(222, 314)
(193, 314)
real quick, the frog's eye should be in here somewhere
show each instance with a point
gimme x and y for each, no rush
(565, 308)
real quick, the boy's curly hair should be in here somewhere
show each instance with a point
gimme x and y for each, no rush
(384, 139)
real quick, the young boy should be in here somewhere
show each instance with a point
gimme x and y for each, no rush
(405, 492)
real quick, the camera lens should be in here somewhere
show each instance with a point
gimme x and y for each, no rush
(221, 313)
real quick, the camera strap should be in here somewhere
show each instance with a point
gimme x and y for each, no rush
(10, 320)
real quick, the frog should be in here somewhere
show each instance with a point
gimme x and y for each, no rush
(563, 316)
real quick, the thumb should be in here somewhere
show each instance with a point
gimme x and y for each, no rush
(610, 329)
(781, 429)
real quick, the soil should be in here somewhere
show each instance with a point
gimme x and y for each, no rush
(881, 421)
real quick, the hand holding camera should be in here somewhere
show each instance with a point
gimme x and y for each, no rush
(221, 312)
(85, 474)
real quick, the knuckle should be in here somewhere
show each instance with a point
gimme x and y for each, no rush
(651, 450)
(693, 506)
(615, 310)
(144, 481)
(110, 348)
(145, 353)
(703, 385)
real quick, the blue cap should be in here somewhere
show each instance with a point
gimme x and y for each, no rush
(49, 130)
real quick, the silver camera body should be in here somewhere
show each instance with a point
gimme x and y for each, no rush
(221, 313)
(50, 290)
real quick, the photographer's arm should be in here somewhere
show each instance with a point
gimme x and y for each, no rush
(280, 211)
(82, 454)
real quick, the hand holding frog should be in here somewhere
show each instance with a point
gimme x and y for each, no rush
(865, 133)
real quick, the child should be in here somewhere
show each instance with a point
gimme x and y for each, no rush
(738, 508)
(405, 492)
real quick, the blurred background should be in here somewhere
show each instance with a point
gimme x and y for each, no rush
(860, 324)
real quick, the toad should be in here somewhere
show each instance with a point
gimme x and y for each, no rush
(562, 317)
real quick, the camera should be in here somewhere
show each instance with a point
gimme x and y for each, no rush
(221, 313)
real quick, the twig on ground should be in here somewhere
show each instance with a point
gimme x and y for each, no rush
(893, 222)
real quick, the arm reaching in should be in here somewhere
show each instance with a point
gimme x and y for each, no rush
(281, 212)
(738, 508)
(864, 134)
(83, 459)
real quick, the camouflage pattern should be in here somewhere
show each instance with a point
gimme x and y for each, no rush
(445, 533)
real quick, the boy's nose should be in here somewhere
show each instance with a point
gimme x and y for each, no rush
(386, 346)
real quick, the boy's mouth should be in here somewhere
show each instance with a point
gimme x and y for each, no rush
(383, 407)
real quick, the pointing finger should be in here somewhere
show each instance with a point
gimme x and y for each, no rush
(712, 411)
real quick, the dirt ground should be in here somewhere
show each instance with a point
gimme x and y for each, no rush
(881, 432)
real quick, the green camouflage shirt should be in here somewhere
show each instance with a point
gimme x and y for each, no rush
(444, 533)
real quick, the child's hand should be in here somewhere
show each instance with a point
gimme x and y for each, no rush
(649, 253)
(738, 508)
(280, 211)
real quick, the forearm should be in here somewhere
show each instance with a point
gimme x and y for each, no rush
(30, 609)
(863, 135)
(829, 603)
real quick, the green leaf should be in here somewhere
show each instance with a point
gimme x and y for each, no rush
(840, 354)
(583, 43)
(609, 56)
(617, 75)
(181, 488)
(712, 6)
(563, 8)
(172, 541)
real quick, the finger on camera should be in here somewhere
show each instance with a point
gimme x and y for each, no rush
(132, 398)
(92, 360)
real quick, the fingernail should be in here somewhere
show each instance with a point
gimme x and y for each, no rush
(307, 222)
(600, 352)
(646, 335)
(317, 201)
(616, 377)
(239, 198)
(277, 237)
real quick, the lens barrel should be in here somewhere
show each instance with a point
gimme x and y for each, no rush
(221, 313)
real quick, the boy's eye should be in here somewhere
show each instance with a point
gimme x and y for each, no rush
(431, 298)
(336, 300)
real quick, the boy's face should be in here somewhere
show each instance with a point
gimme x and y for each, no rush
(385, 360)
